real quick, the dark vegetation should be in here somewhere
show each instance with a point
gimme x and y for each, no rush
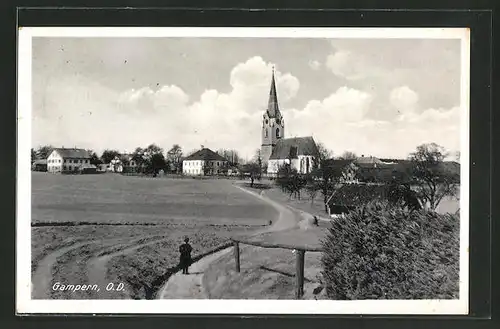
(383, 251)
(421, 181)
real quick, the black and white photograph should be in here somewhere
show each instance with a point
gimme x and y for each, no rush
(243, 170)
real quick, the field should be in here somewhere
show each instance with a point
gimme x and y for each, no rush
(99, 229)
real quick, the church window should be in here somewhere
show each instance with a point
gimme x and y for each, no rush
(266, 133)
(278, 132)
(267, 121)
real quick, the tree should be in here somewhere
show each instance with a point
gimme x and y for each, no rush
(429, 176)
(324, 152)
(290, 181)
(325, 175)
(138, 157)
(174, 156)
(257, 159)
(251, 170)
(154, 159)
(43, 151)
(232, 156)
(33, 155)
(157, 163)
(312, 187)
(94, 158)
(108, 155)
(348, 155)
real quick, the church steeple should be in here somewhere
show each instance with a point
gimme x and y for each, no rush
(273, 126)
(272, 106)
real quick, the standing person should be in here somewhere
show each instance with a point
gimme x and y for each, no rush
(185, 259)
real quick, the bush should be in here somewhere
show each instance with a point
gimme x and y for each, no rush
(382, 251)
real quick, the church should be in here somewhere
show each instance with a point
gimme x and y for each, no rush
(276, 150)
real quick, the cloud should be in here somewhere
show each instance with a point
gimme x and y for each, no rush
(341, 121)
(351, 66)
(431, 68)
(403, 99)
(165, 116)
(74, 110)
(314, 64)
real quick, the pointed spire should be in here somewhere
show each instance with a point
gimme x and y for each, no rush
(272, 107)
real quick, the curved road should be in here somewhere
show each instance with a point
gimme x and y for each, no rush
(180, 286)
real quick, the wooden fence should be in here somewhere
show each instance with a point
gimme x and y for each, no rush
(299, 259)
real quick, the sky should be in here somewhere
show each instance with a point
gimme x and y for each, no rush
(379, 97)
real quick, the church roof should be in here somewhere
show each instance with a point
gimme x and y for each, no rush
(293, 147)
(272, 107)
(206, 155)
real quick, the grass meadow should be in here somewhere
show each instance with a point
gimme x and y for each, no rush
(135, 223)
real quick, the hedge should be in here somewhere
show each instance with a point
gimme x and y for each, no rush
(381, 251)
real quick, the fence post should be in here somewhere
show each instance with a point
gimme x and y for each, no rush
(299, 276)
(237, 255)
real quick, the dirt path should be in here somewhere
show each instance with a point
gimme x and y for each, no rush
(180, 286)
(43, 276)
(42, 279)
(288, 218)
(96, 268)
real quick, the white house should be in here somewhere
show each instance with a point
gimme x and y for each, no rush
(299, 152)
(68, 160)
(204, 162)
(115, 165)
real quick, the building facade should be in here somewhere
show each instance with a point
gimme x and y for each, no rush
(205, 162)
(68, 160)
(300, 153)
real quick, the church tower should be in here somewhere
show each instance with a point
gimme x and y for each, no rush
(273, 125)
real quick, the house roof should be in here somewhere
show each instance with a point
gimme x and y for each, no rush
(205, 154)
(72, 153)
(367, 160)
(292, 147)
(379, 174)
(337, 163)
(352, 195)
(40, 162)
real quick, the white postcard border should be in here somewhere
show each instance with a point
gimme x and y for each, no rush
(26, 305)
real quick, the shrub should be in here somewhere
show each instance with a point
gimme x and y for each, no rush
(382, 251)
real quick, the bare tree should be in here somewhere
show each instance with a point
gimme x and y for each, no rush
(312, 187)
(232, 156)
(430, 177)
(174, 156)
(348, 155)
(324, 152)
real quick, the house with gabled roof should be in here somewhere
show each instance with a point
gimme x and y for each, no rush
(62, 160)
(204, 162)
